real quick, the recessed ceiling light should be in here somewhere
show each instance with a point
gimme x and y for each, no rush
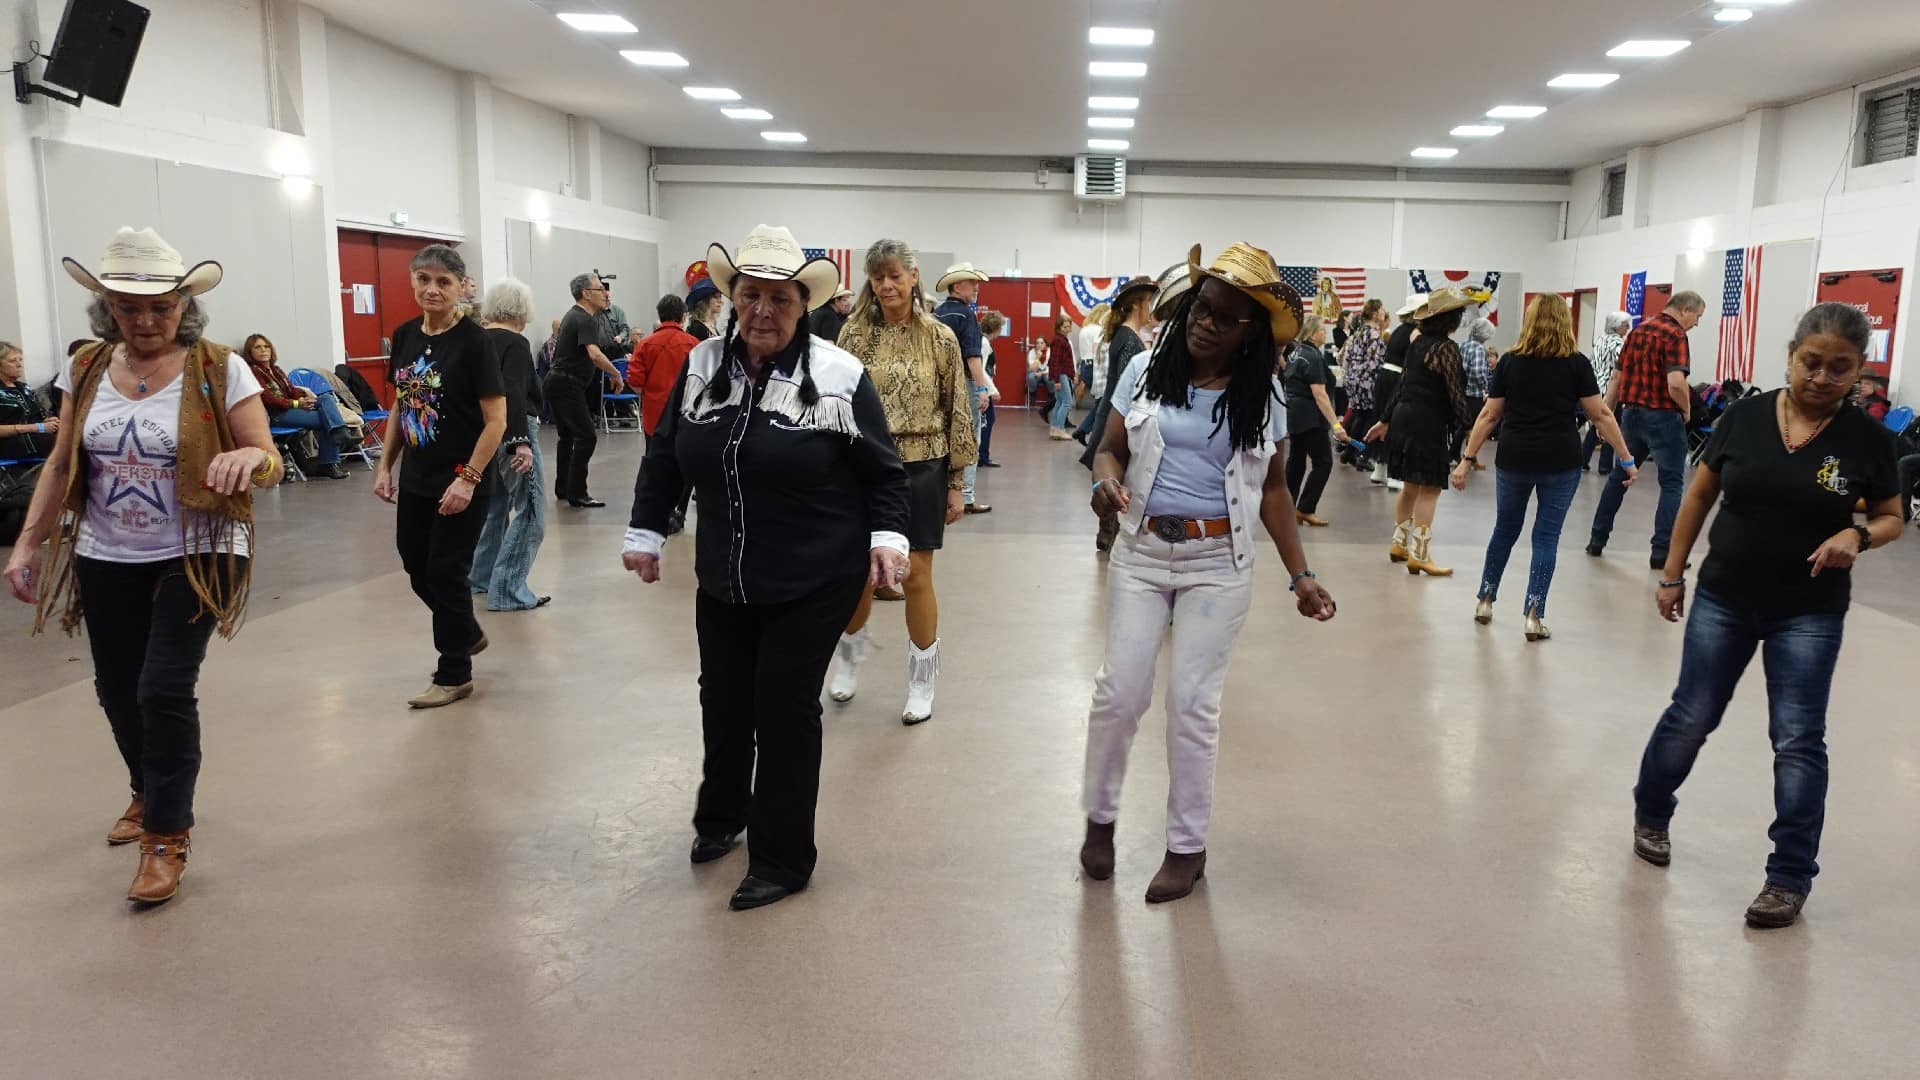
(646, 58)
(1435, 151)
(1119, 35)
(594, 23)
(711, 93)
(1516, 112)
(1115, 104)
(1117, 123)
(1583, 82)
(1478, 131)
(1732, 14)
(746, 114)
(1117, 69)
(1107, 144)
(783, 136)
(1647, 48)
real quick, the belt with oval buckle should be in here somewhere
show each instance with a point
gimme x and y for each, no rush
(1180, 530)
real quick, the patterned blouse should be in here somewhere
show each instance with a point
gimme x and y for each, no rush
(923, 384)
(1366, 351)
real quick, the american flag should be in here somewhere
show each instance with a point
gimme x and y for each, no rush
(1739, 301)
(840, 257)
(1349, 284)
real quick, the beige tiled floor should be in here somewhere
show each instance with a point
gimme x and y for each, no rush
(1419, 866)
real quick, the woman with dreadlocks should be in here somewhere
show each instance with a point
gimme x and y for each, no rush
(1194, 445)
(803, 510)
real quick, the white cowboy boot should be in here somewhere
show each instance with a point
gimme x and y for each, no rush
(923, 671)
(846, 674)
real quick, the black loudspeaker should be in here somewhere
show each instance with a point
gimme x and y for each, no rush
(94, 52)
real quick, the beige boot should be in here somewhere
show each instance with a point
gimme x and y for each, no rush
(1418, 561)
(1402, 532)
(163, 858)
(129, 828)
(437, 696)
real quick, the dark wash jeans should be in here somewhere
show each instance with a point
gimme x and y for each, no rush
(761, 669)
(1511, 491)
(436, 550)
(1799, 656)
(1659, 434)
(147, 649)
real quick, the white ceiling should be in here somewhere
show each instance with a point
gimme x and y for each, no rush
(1266, 81)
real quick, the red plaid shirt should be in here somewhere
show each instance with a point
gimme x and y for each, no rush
(1657, 347)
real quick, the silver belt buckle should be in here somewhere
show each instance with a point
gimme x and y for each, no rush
(1172, 530)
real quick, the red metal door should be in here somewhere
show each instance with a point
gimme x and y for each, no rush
(360, 266)
(1021, 300)
(394, 289)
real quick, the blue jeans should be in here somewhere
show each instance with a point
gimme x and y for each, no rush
(1511, 492)
(323, 420)
(974, 396)
(1062, 401)
(1800, 653)
(505, 553)
(1659, 434)
(986, 432)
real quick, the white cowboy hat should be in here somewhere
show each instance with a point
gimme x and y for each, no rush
(840, 292)
(965, 271)
(770, 253)
(138, 263)
(1413, 304)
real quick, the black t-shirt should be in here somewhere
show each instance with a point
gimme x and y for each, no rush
(438, 383)
(1306, 370)
(579, 328)
(1539, 432)
(1776, 508)
(1398, 344)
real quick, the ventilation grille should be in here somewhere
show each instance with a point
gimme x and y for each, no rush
(1098, 178)
(1892, 124)
(1616, 203)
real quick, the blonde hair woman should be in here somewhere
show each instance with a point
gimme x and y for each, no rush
(915, 363)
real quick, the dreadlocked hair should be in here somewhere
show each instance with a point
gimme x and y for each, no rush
(720, 388)
(1245, 408)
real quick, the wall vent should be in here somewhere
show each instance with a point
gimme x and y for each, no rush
(1099, 178)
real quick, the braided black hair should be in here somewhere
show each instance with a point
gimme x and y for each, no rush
(1245, 409)
(720, 388)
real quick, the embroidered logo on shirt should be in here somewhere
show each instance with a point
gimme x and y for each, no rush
(418, 389)
(1829, 477)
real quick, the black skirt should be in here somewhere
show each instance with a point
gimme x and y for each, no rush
(1418, 447)
(927, 504)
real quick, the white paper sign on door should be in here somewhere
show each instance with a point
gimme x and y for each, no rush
(1041, 309)
(363, 300)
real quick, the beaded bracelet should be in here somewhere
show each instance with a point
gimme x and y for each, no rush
(468, 473)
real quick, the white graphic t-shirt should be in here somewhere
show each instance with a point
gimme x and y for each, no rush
(132, 450)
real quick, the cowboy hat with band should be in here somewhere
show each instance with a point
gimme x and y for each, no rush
(1254, 272)
(138, 263)
(770, 253)
(965, 271)
(1442, 301)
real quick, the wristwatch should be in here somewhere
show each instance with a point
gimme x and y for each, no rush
(1866, 538)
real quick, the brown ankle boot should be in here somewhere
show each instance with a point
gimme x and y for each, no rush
(1096, 852)
(128, 828)
(163, 858)
(1177, 876)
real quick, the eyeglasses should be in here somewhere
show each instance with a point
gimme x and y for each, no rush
(1826, 374)
(1203, 310)
(135, 312)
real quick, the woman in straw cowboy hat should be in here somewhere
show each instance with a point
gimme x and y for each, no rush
(803, 510)
(146, 512)
(1417, 422)
(917, 366)
(1193, 460)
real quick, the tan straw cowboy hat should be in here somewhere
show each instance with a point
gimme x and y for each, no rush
(1441, 301)
(1254, 272)
(138, 263)
(965, 271)
(770, 253)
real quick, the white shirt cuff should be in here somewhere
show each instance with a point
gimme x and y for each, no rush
(644, 542)
(893, 540)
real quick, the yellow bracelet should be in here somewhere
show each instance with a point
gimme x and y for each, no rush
(265, 472)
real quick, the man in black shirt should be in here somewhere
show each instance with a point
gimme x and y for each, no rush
(573, 387)
(828, 321)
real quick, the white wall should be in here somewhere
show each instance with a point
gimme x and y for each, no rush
(1695, 176)
(174, 68)
(396, 125)
(623, 164)
(530, 144)
(1814, 136)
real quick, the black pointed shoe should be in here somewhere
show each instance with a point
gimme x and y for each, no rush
(706, 850)
(1776, 907)
(756, 893)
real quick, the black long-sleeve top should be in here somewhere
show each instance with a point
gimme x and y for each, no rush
(792, 497)
(523, 388)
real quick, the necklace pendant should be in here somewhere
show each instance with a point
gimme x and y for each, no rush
(143, 386)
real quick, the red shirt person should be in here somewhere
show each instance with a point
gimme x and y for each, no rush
(659, 359)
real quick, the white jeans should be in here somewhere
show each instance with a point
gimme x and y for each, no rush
(1148, 580)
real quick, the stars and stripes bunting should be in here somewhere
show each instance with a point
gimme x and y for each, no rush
(1738, 305)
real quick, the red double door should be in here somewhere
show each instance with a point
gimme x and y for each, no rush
(1029, 305)
(376, 262)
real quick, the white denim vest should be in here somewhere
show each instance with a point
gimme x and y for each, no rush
(1246, 477)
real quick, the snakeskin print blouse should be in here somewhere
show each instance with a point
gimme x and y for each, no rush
(923, 384)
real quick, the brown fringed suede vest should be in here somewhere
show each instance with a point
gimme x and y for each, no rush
(209, 522)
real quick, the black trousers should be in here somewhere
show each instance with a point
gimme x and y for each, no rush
(436, 550)
(147, 648)
(761, 669)
(1314, 446)
(574, 403)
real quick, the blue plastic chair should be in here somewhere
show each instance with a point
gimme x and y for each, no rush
(1900, 419)
(282, 435)
(315, 383)
(610, 422)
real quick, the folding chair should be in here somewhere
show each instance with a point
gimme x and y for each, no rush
(315, 383)
(608, 421)
(1900, 419)
(282, 436)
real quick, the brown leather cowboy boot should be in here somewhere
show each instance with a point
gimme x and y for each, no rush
(1096, 852)
(163, 858)
(128, 828)
(1178, 874)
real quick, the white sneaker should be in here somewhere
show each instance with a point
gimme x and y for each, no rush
(923, 671)
(1395, 485)
(1379, 473)
(846, 674)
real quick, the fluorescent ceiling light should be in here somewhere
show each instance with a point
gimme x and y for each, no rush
(1119, 35)
(1516, 112)
(711, 93)
(1114, 104)
(1435, 151)
(1478, 131)
(746, 114)
(1732, 14)
(783, 136)
(1647, 48)
(1118, 123)
(1107, 144)
(1117, 69)
(594, 23)
(646, 58)
(1583, 82)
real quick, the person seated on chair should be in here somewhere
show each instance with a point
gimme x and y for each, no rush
(26, 429)
(291, 406)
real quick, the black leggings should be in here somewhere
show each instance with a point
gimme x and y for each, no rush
(1314, 446)
(436, 550)
(148, 640)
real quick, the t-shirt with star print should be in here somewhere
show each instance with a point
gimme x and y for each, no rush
(132, 451)
(438, 382)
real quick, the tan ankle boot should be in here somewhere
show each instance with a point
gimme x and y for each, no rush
(1096, 852)
(128, 828)
(163, 858)
(1418, 560)
(1402, 532)
(1177, 877)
